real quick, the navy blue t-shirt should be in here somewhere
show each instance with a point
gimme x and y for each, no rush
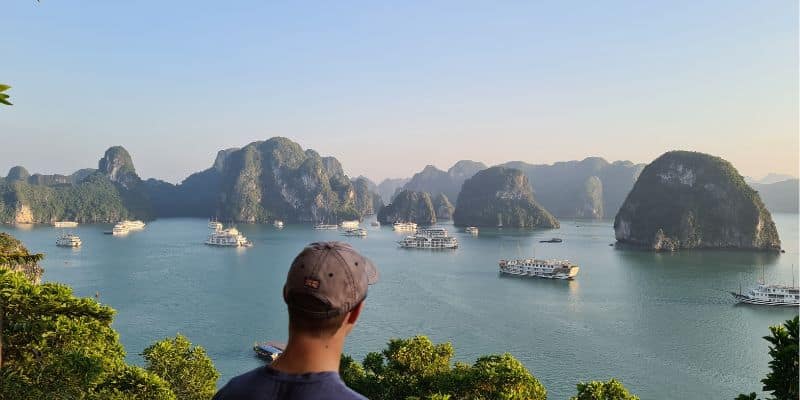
(267, 383)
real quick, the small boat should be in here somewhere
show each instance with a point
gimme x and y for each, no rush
(65, 224)
(552, 240)
(404, 226)
(214, 224)
(326, 227)
(69, 240)
(278, 224)
(269, 351)
(353, 224)
(228, 238)
(472, 230)
(360, 232)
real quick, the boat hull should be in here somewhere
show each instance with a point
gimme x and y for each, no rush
(762, 302)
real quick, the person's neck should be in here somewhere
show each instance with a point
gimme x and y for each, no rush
(306, 354)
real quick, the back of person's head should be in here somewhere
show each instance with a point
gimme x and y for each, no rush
(325, 288)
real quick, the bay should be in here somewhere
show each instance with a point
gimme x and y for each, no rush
(664, 323)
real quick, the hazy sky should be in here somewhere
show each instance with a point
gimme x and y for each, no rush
(388, 87)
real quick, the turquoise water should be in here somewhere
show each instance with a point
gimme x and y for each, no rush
(663, 323)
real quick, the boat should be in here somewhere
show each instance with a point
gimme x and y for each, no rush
(133, 225)
(534, 268)
(552, 240)
(65, 224)
(353, 224)
(428, 242)
(269, 351)
(472, 230)
(214, 224)
(119, 230)
(770, 295)
(326, 227)
(404, 226)
(278, 224)
(69, 240)
(375, 223)
(433, 232)
(228, 238)
(360, 232)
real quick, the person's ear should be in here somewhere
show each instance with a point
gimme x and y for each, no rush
(353, 315)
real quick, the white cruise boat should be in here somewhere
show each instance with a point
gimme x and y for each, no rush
(770, 295)
(278, 224)
(533, 268)
(65, 224)
(228, 238)
(433, 232)
(68, 240)
(133, 225)
(349, 224)
(360, 232)
(428, 242)
(404, 226)
(472, 230)
(375, 224)
(214, 224)
(326, 227)
(119, 230)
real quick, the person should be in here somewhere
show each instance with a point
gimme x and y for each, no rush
(324, 292)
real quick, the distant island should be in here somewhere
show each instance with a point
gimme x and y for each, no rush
(686, 200)
(500, 196)
(409, 206)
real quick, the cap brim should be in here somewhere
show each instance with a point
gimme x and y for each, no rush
(371, 270)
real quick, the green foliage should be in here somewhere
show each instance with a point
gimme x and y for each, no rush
(599, 390)
(416, 368)
(783, 375)
(188, 370)
(697, 201)
(500, 195)
(133, 383)
(409, 206)
(4, 96)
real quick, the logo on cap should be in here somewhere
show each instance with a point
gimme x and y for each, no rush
(311, 283)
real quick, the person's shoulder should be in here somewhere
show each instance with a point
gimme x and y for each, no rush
(342, 392)
(241, 386)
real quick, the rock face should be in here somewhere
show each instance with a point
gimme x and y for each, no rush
(591, 188)
(685, 200)
(500, 195)
(366, 199)
(14, 256)
(409, 206)
(110, 194)
(436, 181)
(389, 187)
(444, 209)
(18, 173)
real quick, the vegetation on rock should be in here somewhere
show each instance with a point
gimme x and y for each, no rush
(694, 200)
(500, 196)
(444, 209)
(435, 181)
(409, 206)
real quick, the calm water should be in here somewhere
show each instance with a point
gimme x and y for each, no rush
(663, 323)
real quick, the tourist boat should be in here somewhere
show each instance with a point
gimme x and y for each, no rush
(278, 224)
(349, 224)
(472, 230)
(404, 226)
(428, 242)
(214, 224)
(133, 225)
(69, 240)
(433, 232)
(269, 351)
(375, 223)
(228, 238)
(552, 240)
(361, 232)
(533, 268)
(770, 295)
(65, 224)
(326, 227)
(118, 230)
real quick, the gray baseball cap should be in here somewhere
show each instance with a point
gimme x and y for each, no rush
(328, 279)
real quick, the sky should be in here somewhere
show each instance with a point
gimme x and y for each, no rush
(388, 87)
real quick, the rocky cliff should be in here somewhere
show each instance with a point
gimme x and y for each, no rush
(409, 206)
(390, 187)
(500, 195)
(367, 202)
(591, 188)
(436, 181)
(14, 256)
(781, 197)
(444, 209)
(688, 200)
